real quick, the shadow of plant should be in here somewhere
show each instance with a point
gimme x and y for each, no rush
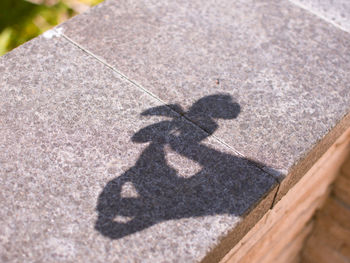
(151, 191)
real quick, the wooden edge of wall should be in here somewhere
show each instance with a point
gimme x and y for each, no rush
(306, 162)
(247, 222)
(286, 219)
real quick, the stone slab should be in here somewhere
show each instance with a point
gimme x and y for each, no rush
(334, 11)
(93, 169)
(287, 68)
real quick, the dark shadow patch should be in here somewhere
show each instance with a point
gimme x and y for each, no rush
(226, 184)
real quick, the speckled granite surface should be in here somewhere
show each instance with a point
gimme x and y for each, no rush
(334, 11)
(287, 68)
(140, 132)
(95, 170)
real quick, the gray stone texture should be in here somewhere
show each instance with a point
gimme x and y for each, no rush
(334, 11)
(93, 169)
(96, 167)
(287, 69)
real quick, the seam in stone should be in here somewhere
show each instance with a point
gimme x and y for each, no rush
(276, 193)
(121, 75)
(124, 77)
(320, 16)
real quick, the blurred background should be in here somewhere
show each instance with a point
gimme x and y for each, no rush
(22, 20)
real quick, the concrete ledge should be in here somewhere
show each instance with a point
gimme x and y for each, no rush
(163, 131)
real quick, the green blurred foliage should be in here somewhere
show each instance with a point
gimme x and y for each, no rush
(22, 20)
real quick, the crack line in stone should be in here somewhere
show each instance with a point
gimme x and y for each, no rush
(134, 83)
